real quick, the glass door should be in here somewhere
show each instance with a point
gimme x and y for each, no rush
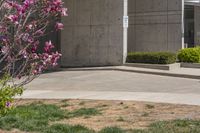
(189, 25)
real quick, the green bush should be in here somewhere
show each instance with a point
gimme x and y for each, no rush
(151, 57)
(189, 55)
(7, 94)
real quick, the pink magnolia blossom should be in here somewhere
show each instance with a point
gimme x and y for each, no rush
(57, 2)
(4, 49)
(25, 36)
(39, 32)
(13, 18)
(64, 12)
(23, 26)
(29, 27)
(2, 28)
(48, 46)
(7, 5)
(25, 51)
(59, 26)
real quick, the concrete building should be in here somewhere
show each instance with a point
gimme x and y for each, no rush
(98, 33)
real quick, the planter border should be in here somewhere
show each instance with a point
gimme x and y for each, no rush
(136, 70)
(190, 65)
(155, 66)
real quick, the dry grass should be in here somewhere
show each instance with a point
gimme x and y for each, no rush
(131, 114)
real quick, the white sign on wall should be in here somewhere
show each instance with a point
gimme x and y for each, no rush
(125, 21)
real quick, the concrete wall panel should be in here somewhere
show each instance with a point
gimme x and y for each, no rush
(82, 9)
(115, 49)
(98, 48)
(155, 25)
(67, 49)
(99, 12)
(174, 18)
(150, 5)
(93, 34)
(173, 37)
(82, 45)
(71, 18)
(151, 37)
(115, 11)
(131, 38)
(174, 5)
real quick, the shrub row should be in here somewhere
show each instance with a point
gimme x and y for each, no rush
(189, 55)
(151, 57)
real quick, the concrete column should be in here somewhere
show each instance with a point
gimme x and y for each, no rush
(183, 24)
(125, 32)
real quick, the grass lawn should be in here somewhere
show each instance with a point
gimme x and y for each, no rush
(86, 116)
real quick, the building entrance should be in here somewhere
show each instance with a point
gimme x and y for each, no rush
(189, 26)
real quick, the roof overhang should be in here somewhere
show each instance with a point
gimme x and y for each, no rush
(192, 2)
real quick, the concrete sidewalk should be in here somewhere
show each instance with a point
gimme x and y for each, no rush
(173, 98)
(101, 84)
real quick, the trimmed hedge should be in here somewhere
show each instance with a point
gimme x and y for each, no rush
(151, 57)
(189, 55)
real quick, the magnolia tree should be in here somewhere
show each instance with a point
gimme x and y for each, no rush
(22, 24)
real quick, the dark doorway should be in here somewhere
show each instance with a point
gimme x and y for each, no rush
(189, 26)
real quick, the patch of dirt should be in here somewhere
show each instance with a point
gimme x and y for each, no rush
(126, 114)
(13, 131)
